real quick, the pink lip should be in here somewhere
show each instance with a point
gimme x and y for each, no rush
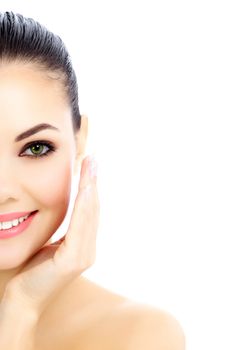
(16, 230)
(12, 216)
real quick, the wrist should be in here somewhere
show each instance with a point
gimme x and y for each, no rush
(12, 307)
(17, 326)
(15, 311)
(15, 300)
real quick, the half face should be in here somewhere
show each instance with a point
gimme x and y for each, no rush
(36, 169)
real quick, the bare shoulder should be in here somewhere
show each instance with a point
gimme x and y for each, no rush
(153, 329)
(91, 317)
(133, 326)
(123, 324)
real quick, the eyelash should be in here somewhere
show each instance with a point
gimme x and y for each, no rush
(43, 143)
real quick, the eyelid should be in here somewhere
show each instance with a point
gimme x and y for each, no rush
(36, 141)
(49, 144)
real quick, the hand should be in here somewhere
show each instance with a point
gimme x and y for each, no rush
(57, 264)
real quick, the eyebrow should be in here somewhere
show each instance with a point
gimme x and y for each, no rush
(34, 130)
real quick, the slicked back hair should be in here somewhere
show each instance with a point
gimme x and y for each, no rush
(25, 40)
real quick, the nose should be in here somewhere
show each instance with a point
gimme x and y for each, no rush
(8, 182)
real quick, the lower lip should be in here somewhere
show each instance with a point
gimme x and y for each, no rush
(16, 230)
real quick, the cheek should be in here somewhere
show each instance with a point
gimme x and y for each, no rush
(55, 189)
(51, 185)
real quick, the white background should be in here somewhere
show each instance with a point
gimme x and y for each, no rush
(151, 80)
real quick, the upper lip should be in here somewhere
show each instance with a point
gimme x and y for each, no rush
(11, 216)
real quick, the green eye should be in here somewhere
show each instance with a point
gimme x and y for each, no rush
(36, 148)
(39, 149)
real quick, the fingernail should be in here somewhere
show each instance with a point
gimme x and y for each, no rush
(93, 166)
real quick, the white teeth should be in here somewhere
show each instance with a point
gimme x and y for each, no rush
(8, 224)
(15, 222)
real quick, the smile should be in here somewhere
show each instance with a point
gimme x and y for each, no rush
(8, 224)
(16, 226)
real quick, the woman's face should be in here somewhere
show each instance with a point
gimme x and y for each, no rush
(29, 98)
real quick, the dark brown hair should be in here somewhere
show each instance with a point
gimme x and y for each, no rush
(25, 40)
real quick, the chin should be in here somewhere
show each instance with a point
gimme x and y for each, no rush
(9, 265)
(14, 259)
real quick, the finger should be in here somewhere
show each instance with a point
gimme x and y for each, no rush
(78, 249)
(88, 172)
(84, 223)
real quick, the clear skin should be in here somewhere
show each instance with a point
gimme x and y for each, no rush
(30, 267)
(27, 98)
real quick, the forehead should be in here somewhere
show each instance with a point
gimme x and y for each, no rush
(18, 77)
(27, 90)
